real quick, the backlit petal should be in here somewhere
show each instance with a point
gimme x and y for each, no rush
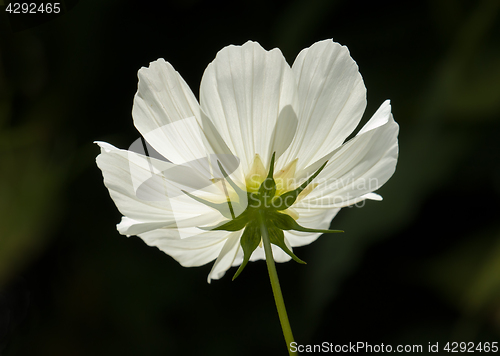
(226, 256)
(244, 91)
(190, 252)
(139, 188)
(332, 98)
(360, 166)
(168, 116)
(314, 218)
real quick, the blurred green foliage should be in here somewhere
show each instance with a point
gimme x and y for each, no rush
(421, 266)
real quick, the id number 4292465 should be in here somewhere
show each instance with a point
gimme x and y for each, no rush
(32, 8)
(471, 347)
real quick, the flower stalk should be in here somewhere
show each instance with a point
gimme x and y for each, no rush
(275, 284)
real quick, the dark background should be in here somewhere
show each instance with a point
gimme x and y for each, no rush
(422, 266)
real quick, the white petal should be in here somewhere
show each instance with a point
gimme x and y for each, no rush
(167, 114)
(380, 118)
(141, 192)
(244, 91)
(179, 228)
(360, 166)
(373, 196)
(332, 99)
(314, 219)
(226, 256)
(190, 252)
(131, 227)
(278, 254)
(238, 259)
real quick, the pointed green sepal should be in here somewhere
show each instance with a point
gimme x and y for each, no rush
(226, 209)
(267, 189)
(286, 222)
(277, 237)
(249, 242)
(287, 199)
(231, 225)
(240, 192)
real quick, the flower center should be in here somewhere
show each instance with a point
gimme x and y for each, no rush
(284, 181)
(269, 195)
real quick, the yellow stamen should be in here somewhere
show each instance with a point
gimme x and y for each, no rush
(285, 178)
(256, 175)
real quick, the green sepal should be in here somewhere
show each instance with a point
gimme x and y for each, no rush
(250, 239)
(286, 222)
(287, 199)
(242, 195)
(226, 209)
(268, 187)
(277, 237)
(231, 225)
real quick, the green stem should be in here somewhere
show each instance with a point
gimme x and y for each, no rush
(275, 284)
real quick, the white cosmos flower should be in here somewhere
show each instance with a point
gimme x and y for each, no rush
(252, 104)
